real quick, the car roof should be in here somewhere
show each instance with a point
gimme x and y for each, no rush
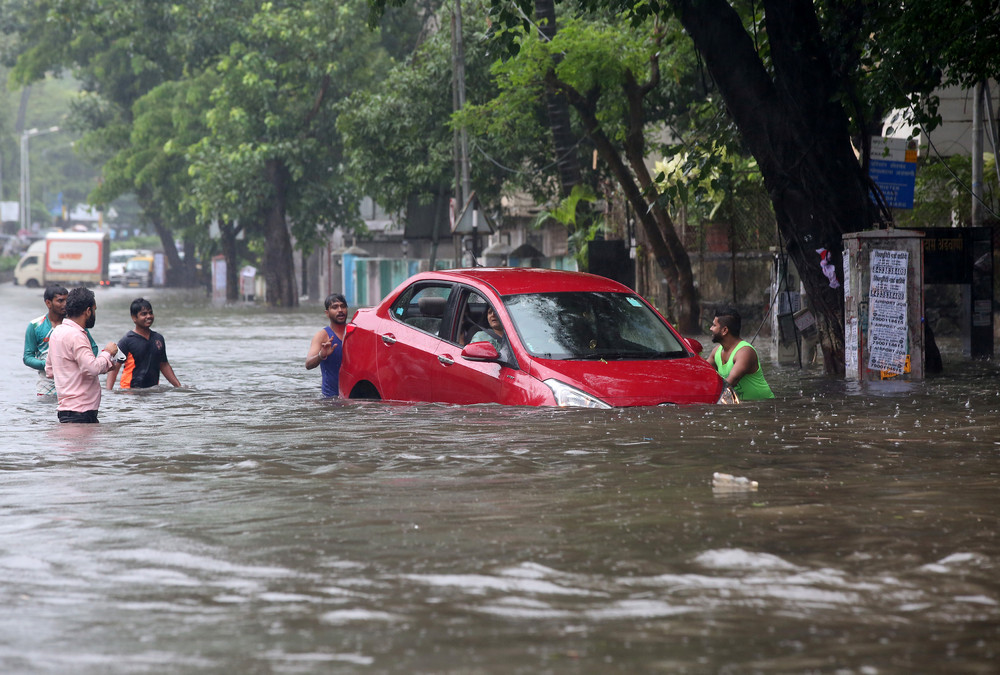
(517, 280)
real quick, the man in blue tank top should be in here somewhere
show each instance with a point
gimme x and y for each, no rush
(736, 359)
(327, 346)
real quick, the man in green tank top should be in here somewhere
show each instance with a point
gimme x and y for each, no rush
(736, 359)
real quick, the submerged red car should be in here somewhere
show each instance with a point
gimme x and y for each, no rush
(522, 336)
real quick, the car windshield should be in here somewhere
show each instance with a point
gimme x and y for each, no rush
(137, 266)
(582, 325)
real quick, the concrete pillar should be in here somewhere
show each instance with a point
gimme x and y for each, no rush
(884, 305)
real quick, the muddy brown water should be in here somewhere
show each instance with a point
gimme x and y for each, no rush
(244, 525)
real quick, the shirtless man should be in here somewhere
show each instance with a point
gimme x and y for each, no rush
(736, 359)
(327, 347)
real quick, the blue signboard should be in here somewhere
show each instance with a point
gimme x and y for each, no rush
(895, 180)
(893, 168)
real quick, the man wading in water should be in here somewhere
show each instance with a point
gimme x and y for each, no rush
(736, 359)
(327, 346)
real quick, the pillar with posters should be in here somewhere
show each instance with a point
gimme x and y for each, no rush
(884, 305)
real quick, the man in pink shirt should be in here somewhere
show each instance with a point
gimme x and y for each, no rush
(72, 363)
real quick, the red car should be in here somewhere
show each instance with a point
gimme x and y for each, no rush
(522, 336)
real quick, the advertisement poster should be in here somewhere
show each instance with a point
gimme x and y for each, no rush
(851, 347)
(887, 311)
(847, 273)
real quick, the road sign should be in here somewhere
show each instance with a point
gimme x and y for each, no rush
(893, 167)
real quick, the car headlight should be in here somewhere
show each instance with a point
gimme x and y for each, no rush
(567, 396)
(728, 395)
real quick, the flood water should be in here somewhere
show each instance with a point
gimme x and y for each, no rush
(244, 525)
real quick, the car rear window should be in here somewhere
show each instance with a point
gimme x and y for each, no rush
(591, 325)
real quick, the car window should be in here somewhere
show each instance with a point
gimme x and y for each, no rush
(591, 326)
(423, 306)
(471, 314)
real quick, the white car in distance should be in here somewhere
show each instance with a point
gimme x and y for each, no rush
(119, 258)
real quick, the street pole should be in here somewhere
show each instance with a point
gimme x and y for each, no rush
(25, 187)
(977, 155)
(463, 184)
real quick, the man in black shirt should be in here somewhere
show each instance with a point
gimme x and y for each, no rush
(145, 353)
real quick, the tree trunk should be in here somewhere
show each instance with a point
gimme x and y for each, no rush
(227, 240)
(667, 248)
(279, 266)
(564, 141)
(799, 134)
(177, 271)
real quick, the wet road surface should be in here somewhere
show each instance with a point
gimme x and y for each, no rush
(243, 524)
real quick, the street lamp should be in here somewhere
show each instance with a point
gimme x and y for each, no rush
(25, 194)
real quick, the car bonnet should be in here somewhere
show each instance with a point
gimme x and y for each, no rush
(637, 382)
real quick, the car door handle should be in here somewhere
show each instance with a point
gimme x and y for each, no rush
(446, 360)
(389, 339)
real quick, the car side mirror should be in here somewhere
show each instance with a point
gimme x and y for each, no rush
(694, 345)
(480, 351)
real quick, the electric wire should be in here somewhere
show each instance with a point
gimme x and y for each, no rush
(940, 157)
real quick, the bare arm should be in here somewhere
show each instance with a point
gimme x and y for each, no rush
(109, 383)
(319, 349)
(168, 372)
(744, 363)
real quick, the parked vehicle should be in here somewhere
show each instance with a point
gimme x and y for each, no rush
(556, 339)
(65, 258)
(139, 271)
(119, 258)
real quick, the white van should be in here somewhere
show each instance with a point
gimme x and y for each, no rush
(30, 270)
(65, 258)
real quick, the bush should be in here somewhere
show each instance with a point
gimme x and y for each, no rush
(151, 242)
(8, 262)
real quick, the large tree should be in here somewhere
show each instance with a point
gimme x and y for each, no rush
(611, 77)
(273, 126)
(799, 78)
(400, 146)
(120, 52)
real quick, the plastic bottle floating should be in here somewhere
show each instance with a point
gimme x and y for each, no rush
(727, 481)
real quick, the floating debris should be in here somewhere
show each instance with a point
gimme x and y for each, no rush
(727, 481)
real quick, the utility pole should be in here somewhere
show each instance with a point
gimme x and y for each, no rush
(977, 155)
(463, 183)
(25, 193)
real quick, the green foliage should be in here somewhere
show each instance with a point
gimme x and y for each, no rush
(591, 57)
(149, 242)
(566, 213)
(706, 181)
(942, 193)
(398, 139)
(276, 100)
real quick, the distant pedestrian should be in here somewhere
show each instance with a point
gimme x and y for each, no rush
(36, 338)
(71, 361)
(736, 359)
(145, 352)
(327, 347)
